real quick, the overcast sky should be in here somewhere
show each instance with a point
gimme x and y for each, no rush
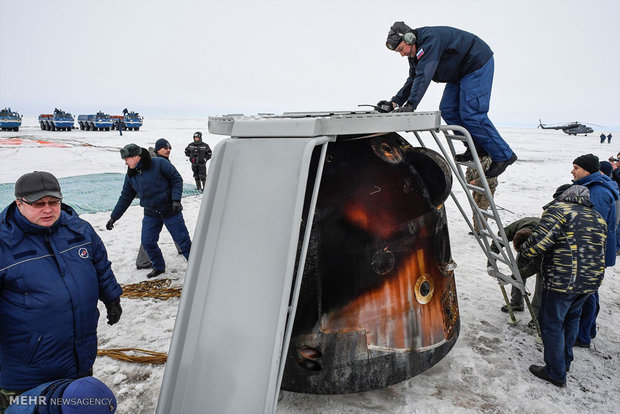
(555, 60)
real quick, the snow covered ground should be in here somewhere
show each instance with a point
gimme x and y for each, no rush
(487, 370)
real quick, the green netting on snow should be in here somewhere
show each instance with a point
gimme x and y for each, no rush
(90, 193)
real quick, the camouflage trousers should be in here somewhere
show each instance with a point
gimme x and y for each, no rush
(483, 203)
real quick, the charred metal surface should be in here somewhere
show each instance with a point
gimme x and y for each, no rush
(378, 301)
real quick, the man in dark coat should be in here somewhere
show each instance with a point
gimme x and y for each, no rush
(162, 149)
(465, 63)
(199, 153)
(159, 186)
(603, 195)
(518, 232)
(53, 270)
(571, 236)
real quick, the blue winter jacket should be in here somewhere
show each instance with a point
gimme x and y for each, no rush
(603, 194)
(50, 281)
(443, 54)
(156, 182)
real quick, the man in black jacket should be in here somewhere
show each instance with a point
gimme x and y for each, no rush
(199, 153)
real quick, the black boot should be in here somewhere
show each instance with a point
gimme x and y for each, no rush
(203, 183)
(198, 185)
(155, 273)
(496, 168)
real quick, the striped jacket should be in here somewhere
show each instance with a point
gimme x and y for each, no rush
(572, 237)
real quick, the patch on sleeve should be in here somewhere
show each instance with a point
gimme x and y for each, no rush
(419, 54)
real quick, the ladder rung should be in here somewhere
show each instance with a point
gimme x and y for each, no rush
(466, 163)
(456, 137)
(498, 257)
(476, 188)
(487, 214)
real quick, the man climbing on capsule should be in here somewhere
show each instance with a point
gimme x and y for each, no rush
(462, 61)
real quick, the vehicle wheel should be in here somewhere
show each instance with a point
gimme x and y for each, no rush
(137, 128)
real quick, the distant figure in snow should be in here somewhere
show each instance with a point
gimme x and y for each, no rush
(465, 63)
(571, 236)
(199, 153)
(609, 138)
(602, 138)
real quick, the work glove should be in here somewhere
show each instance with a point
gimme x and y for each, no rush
(176, 206)
(114, 311)
(384, 106)
(522, 261)
(408, 107)
(110, 224)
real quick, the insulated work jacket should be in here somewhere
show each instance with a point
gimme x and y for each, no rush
(156, 182)
(50, 281)
(443, 54)
(198, 152)
(572, 237)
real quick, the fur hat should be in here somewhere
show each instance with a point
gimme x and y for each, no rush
(36, 185)
(162, 143)
(130, 150)
(588, 162)
(395, 35)
(605, 167)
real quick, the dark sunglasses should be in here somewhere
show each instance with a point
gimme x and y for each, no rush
(40, 204)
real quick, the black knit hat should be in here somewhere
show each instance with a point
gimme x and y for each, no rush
(588, 162)
(130, 150)
(606, 168)
(36, 185)
(560, 190)
(162, 143)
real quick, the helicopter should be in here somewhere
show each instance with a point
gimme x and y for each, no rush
(571, 128)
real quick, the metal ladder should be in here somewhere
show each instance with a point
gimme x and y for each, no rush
(486, 238)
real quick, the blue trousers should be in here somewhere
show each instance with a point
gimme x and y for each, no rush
(559, 323)
(587, 322)
(467, 103)
(151, 227)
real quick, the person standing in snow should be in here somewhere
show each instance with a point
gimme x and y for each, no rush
(199, 153)
(465, 63)
(571, 236)
(159, 186)
(53, 270)
(603, 194)
(609, 138)
(162, 149)
(602, 136)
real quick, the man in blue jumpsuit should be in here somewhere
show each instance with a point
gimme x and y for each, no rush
(465, 63)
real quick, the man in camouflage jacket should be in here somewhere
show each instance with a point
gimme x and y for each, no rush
(572, 237)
